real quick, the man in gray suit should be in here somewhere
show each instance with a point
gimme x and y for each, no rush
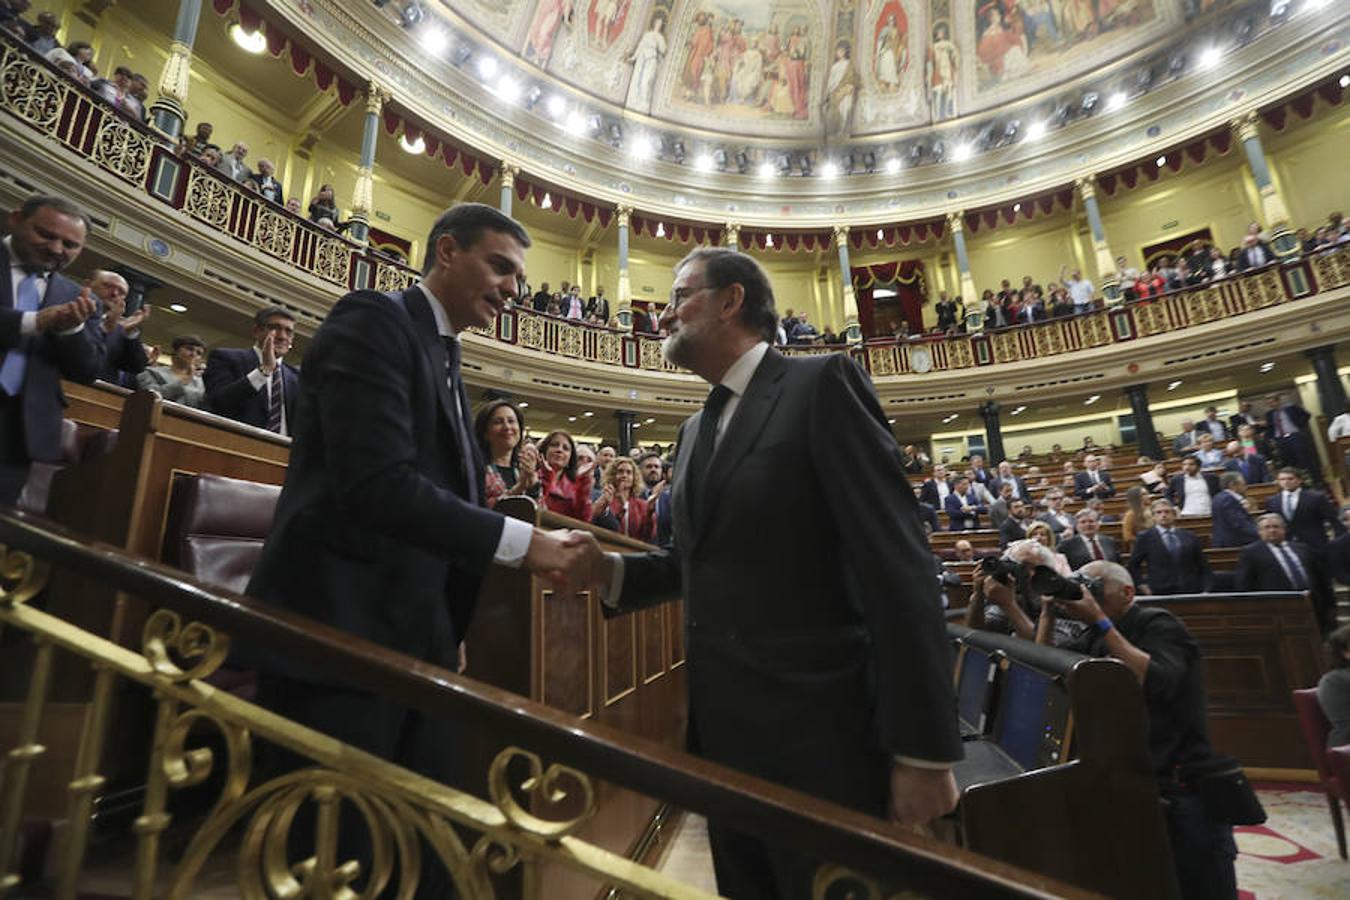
(1088, 544)
(832, 677)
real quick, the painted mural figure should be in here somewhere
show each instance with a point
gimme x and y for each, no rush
(891, 45)
(1002, 49)
(940, 69)
(604, 21)
(1038, 18)
(549, 16)
(841, 89)
(646, 57)
(701, 46)
(794, 66)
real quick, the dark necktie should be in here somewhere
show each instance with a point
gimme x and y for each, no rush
(1170, 541)
(275, 402)
(1293, 566)
(704, 444)
(1096, 549)
(461, 423)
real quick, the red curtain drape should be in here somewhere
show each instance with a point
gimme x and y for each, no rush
(906, 278)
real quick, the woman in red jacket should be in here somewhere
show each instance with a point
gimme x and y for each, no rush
(567, 488)
(618, 509)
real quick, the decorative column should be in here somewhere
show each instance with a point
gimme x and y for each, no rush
(509, 173)
(852, 329)
(1330, 390)
(1276, 215)
(624, 312)
(732, 236)
(363, 195)
(627, 419)
(1144, 432)
(993, 433)
(170, 110)
(1106, 263)
(956, 225)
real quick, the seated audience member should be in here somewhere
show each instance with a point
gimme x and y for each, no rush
(266, 183)
(1309, 512)
(256, 385)
(1155, 479)
(1191, 490)
(1169, 560)
(963, 506)
(114, 89)
(935, 489)
(1025, 454)
(1088, 544)
(1333, 689)
(1271, 563)
(1162, 655)
(323, 206)
(964, 550)
(125, 356)
(1233, 525)
(1210, 423)
(998, 509)
(1014, 527)
(1209, 455)
(618, 507)
(197, 142)
(1251, 466)
(1060, 522)
(181, 380)
(1092, 481)
(1187, 441)
(1007, 608)
(42, 36)
(1035, 479)
(566, 483)
(512, 464)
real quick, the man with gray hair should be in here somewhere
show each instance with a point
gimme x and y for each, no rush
(1009, 607)
(861, 624)
(1156, 647)
(126, 357)
(1233, 525)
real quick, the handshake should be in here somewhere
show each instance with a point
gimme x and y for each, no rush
(571, 560)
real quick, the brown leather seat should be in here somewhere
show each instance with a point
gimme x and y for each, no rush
(79, 442)
(216, 527)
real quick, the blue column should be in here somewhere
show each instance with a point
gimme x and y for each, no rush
(956, 225)
(169, 111)
(1273, 211)
(508, 172)
(624, 311)
(852, 328)
(363, 195)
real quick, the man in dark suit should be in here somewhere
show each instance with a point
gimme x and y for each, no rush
(1088, 544)
(380, 529)
(1060, 522)
(125, 356)
(935, 489)
(265, 181)
(1251, 466)
(1245, 416)
(1287, 426)
(1272, 563)
(1005, 474)
(45, 334)
(541, 298)
(646, 321)
(256, 386)
(840, 687)
(1172, 556)
(1254, 254)
(1233, 525)
(963, 506)
(1308, 512)
(1014, 528)
(598, 306)
(1211, 423)
(1092, 481)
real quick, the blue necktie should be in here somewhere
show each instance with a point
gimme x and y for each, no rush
(1170, 541)
(1295, 568)
(15, 365)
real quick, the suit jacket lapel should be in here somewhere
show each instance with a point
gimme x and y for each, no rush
(761, 395)
(424, 324)
(682, 519)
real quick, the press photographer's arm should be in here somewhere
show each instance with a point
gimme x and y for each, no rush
(1116, 598)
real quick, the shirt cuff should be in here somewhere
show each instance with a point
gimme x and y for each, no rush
(28, 324)
(923, 763)
(257, 379)
(609, 594)
(514, 542)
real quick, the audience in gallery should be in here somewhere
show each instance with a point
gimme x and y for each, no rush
(181, 380)
(619, 508)
(566, 481)
(511, 463)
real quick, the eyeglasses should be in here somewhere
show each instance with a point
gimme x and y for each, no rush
(680, 295)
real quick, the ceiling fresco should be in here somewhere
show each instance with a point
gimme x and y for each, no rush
(816, 69)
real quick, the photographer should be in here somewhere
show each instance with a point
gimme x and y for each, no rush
(1198, 798)
(1005, 598)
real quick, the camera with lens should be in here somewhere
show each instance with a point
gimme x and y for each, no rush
(1048, 582)
(1004, 571)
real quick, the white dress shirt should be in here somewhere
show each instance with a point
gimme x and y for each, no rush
(28, 322)
(516, 534)
(1196, 499)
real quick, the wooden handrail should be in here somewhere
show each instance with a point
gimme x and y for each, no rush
(825, 830)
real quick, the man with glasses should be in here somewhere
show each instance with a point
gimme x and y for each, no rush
(255, 385)
(831, 674)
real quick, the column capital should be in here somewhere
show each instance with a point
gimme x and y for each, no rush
(624, 213)
(508, 172)
(376, 97)
(1086, 187)
(841, 235)
(1247, 126)
(956, 221)
(731, 233)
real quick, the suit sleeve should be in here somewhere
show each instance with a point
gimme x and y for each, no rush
(227, 389)
(886, 564)
(79, 356)
(373, 469)
(1245, 579)
(654, 577)
(1137, 555)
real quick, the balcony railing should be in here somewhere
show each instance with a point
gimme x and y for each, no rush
(35, 92)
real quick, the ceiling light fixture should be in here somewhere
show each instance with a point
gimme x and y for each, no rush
(416, 147)
(1209, 58)
(177, 307)
(962, 152)
(524, 404)
(588, 414)
(1162, 161)
(766, 170)
(1017, 207)
(878, 234)
(571, 418)
(703, 162)
(434, 40)
(575, 124)
(893, 165)
(487, 67)
(1035, 131)
(1116, 101)
(1345, 81)
(508, 89)
(830, 169)
(1174, 385)
(547, 202)
(660, 229)
(1091, 400)
(642, 147)
(556, 106)
(768, 240)
(249, 41)
(649, 421)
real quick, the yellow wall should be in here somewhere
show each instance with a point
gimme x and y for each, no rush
(1308, 164)
(1037, 248)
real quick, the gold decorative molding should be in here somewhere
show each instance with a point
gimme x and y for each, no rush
(376, 97)
(731, 233)
(623, 215)
(1247, 126)
(176, 78)
(363, 193)
(955, 222)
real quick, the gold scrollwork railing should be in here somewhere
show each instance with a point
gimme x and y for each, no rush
(530, 820)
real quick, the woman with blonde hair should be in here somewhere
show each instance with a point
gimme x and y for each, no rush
(1138, 517)
(1045, 535)
(618, 508)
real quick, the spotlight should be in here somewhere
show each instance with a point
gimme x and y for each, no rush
(1116, 101)
(556, 106)
(487, 68)
(830, 169)
(869, 162)
(461, 55)
(1035, 131)
(575, 124)
(642, 147)
(703, 162)
(508, 89)
(677, 151)
(1209, 58)
(963, 152)
(1161, 161)
(1345, 81)
(893, 165)
(416, 147)
(742, 161)
(766, 169)
(434, 40)
(254, 42)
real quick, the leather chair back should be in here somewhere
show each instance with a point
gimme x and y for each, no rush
(1313, 721)
(216, 527)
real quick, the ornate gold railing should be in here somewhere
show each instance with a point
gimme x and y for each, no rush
(41, 96)
(406, 815)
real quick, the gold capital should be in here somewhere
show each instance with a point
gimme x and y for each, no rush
(1086, 187)
(1247, 126)
(624, 213)
(732, 234)
(375, 98)
(508, 173)
(956, 221)
(841, 235)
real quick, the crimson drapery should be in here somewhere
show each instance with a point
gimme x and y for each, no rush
(891, 235)
(906, 278)
(277, 43)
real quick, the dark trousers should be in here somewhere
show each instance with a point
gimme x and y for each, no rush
(1202, 849)
(1297, 450)
(13, 449)
(401, 735)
